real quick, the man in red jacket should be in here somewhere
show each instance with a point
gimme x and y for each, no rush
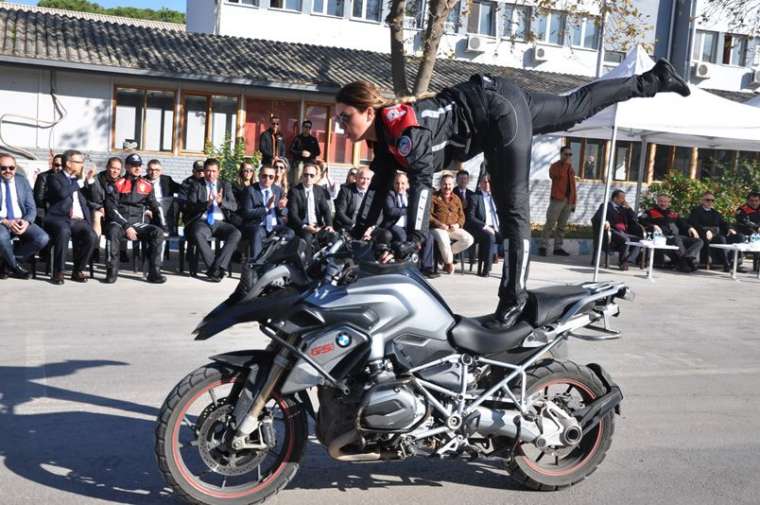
(561, 204)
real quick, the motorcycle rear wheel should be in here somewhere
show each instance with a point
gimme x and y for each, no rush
(574, 387)
(202, 470)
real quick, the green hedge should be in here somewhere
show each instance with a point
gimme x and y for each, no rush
(730, 189)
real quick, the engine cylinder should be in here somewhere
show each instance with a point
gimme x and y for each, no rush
(391, 407)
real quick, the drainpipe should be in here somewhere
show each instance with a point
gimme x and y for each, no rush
(669, 54)
(600, 55)
(692, 37)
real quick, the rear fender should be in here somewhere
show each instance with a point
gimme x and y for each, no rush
(609, 384)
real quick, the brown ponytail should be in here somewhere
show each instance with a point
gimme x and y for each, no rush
(364, 94)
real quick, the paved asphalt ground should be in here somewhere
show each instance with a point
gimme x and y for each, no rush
(84, 369)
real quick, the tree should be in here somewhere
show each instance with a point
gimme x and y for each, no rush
(163, 14)
(628, 23)
(742, 15)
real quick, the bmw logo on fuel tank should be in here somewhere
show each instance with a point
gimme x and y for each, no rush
(343, 340)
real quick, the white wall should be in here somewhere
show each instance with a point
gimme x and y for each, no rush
(201, 15)
(86, 99)
(271, 24)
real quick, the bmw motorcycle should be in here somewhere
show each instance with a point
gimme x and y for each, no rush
(387, 371)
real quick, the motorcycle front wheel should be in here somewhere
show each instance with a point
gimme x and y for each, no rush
(192, 434)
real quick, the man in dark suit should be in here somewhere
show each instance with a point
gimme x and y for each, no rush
(349, 200)
(463, 180)
(262, 211)
(69, 217)
(40, 186)
(210, 203)
(482, 221)
(271, 142)
(623, 226)
(308, 206)
(713, 229)
(165, 189)
(17, 214)
(394, 220)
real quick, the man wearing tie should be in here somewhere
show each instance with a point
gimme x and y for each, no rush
(463, 180)
(483, 223)
(308, 207)
(350, 199)
(262, 210)
(211, 202)
(17, 214)
(69, 217)
(394, 220)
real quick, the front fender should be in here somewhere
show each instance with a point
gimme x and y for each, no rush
(259, 309)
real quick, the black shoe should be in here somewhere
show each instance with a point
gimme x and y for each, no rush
(506, 315)
(668, 78)
(430, 274)
(485, 273)
(111, 275)
(624, 266)
(542, 251)
(214, 275)
(561, 252)
(156, 278)
(18, 272)
(3, 273)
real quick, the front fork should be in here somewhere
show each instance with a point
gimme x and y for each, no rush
(251, 402)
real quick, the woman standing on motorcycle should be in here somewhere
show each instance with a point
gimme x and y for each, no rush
(489, 115)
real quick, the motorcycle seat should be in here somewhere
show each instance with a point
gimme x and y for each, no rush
(470, 334)
(549, 303)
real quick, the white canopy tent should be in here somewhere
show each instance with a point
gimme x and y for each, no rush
(699, 120)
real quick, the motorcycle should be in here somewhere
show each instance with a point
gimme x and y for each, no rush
(387, 371)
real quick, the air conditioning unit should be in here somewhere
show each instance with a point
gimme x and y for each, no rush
(755, 77)
(540, 54)
(702, 70)
(476, 44)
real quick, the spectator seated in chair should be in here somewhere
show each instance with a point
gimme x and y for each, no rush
(308, 206)
(678, 232)
(622, 226)
(164, 188)
(211, 205)
(349, 200)
(69, 218)
(395, 220)
(483, 224)
(130, 205)
(40, 186)
(713, 229)
(17, 214)
(447, 221)
(263, 210)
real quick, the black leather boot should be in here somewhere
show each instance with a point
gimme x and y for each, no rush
(506, 315)
(663, 78)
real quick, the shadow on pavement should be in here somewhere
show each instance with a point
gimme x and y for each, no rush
(97, 455)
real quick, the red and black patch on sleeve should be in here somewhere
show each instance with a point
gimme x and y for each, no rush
(396, 119)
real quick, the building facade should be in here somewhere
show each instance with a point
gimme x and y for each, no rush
(106, 82)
